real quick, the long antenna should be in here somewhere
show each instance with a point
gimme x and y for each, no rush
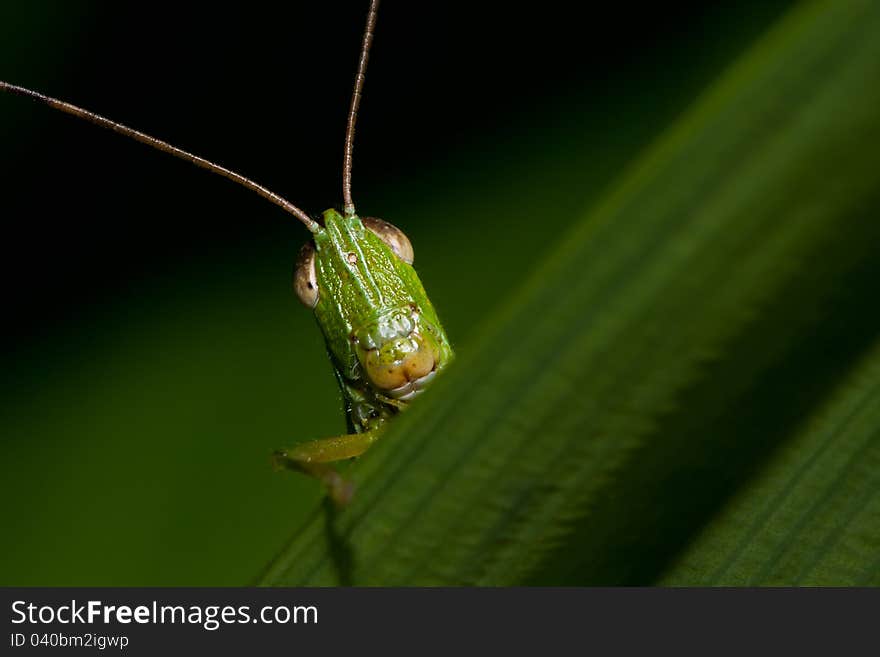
(165, 147)
(355, 102)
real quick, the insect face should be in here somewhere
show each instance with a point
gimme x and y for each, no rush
(370, 304)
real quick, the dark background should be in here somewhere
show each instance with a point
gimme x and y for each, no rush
(153, 351)
(265, 91)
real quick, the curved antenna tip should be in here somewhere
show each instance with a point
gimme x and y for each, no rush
(165, 147)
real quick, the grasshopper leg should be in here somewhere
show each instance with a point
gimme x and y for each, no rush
(314, 457)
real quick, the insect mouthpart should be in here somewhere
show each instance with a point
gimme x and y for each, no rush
(397, 357)
(409, 390)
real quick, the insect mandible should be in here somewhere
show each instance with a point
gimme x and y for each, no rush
(383, 336)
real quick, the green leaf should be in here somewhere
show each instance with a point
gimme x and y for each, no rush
(812, 516)
(665, 353)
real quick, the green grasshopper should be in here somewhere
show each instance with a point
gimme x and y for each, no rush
(383, 336)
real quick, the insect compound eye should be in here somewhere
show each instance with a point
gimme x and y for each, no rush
(305, 281)
(392, 236)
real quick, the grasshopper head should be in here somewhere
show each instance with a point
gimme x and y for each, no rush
(372, 308)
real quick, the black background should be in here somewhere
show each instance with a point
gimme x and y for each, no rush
(264, 89)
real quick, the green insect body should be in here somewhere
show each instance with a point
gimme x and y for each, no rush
(383, 335)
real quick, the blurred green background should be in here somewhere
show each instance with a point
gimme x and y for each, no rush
(154, 353)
